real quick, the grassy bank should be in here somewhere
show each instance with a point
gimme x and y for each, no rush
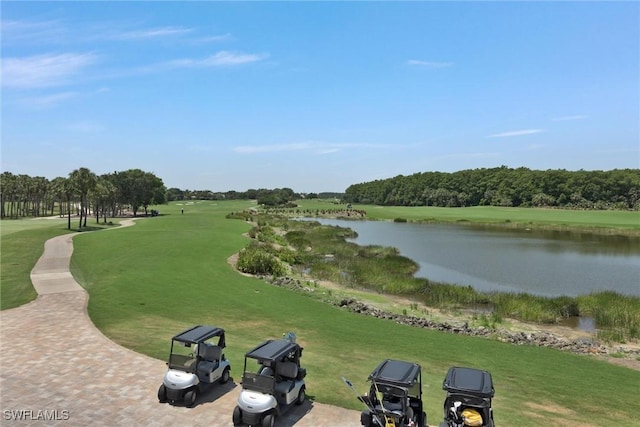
(623, 222)
(325, 254)
(167, 273)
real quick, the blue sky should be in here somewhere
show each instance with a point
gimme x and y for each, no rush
(316, 96)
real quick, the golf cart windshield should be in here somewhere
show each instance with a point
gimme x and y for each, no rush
(258, 376)
(388, 397)
(183, 356)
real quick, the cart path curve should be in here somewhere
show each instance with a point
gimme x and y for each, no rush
(57, 368)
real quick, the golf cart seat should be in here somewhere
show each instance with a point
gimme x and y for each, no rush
(210, 355)
(392, 404)
(288, 371)
(266, 371)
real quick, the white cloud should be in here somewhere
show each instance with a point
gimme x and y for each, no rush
(428, 64)
(618, 150)
(316, 147)
(46, 101)
(567, 118)
(44, 70)
(85, 126)
(250, 149)
(515, 133)
(469, 155)
(31, 31)
(214, 39)
(328, 151)
(200, 148)
(151, 33)
(220, 59)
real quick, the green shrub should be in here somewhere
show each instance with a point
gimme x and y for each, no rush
(256, 259)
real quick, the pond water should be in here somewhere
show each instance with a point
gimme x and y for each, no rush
(549, 263)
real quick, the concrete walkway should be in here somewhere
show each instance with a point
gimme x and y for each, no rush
(56, 367)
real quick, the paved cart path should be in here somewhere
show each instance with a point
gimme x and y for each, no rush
(57, 368)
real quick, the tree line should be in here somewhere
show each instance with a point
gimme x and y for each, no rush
(268, 197)
(81, 193)
(263, 195)
(503, 186)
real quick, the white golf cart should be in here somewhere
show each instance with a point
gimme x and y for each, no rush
(273, 381)
(195, 362)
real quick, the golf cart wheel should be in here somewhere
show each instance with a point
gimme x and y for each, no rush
(301, 396)
(268, 421)
(225, 376)
(162, 394)
(190, 398)
(365, 419)
(237, 416)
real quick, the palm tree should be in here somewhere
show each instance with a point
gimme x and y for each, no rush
(62, 191)
(40, 190)
(8, 188)
(103, 196)
(83, 181)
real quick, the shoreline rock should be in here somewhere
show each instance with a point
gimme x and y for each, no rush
(583, 345)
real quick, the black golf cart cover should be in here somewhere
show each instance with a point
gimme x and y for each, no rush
(396, 372)
(474, 382)
(200, 333)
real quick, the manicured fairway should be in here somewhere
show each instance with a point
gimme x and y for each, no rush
(149, 281)
(9, 226)
(21, 246)
(617, 220)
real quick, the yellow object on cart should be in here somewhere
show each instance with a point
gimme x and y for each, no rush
(471, 417)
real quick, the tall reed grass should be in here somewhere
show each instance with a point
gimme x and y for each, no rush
(328, 256)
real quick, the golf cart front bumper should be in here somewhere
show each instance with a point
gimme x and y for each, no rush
(177, 383)
(175, 395)
(255, 405)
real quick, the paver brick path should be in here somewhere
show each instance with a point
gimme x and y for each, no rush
(54, 363)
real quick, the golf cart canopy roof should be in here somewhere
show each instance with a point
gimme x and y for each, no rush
(469, 381)
(200, 333)
(273, 350)
(397, 373)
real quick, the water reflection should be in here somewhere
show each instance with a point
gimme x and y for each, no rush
(587, 324)
(543, 262)
(564, 240)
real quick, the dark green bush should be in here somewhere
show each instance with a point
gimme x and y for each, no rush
(256, 259)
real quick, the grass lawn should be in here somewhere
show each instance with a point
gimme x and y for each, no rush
(166, 273)
(149, 281)
(10, 226)
(615, 220)
(21, 244)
